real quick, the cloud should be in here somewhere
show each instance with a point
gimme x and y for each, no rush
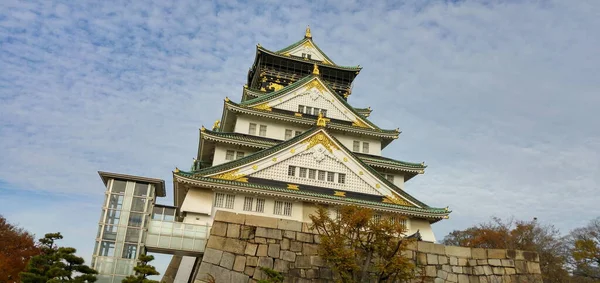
(499, 99)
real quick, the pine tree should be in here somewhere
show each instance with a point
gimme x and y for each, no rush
(56, 264)
(142, 270)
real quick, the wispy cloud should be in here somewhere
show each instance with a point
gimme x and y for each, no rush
(499, 99)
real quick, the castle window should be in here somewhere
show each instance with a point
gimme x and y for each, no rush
(356, 146)
(263, 131)
(322, 175)
(302, 172)
(330, 176)
(292, 170)
(308, 110)
(389, 177)
(239, 155)
(297, 133)
(342, 178)
(324, 112)
(365, 147)
(308, 56)
(224, 200)
(252, 129)
(229, 155)
(283, 208)
(248, 201)
(288, 134)
(260, 205)
(312, 173)
(300, 108)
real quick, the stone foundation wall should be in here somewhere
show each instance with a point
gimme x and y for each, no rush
(240, 244)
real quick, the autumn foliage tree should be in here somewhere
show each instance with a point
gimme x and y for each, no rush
(584, 244)
(17, 246)
(518, 235)
(361, 248)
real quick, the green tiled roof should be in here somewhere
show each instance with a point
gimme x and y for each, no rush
(262, 142)
(275, 53)
(266, 152)
(436, 212)
(297, 84)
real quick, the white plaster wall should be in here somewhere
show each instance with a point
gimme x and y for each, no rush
(198, 201)
(221, 151)
(314, 53)
(424, 228)
(313, 98)
(348, 141)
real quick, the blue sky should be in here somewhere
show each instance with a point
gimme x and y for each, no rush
(499, 98)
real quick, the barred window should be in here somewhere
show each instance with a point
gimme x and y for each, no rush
(288, 134)
(239, 154)
(297, 133)
(282, 208)
(365, 147)
(260, 205)
(322, 175)
(229, 155)
(308, 110)
(252, 129)
(377, 218)
(330, 176)
(263, 131)
(324, 112)
(248, 201)
(356, 146)
(300, 108)
(342, 178)
(292, 170)
(302, 172)
(389, 177)
(312, 173)
(224, 200)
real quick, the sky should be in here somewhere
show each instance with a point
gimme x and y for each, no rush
(499, 98)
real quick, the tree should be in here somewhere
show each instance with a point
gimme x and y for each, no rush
(362, 247)
(142, 270)
(584, 246)
(56, 264)
(518, 235)
(16, 248)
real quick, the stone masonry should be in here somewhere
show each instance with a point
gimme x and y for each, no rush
(240, 244)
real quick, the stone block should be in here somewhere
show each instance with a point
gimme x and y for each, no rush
(473, 279)
(309, 249)
(233, 230)
(430, 271)
(326, 273)
(235, 246)
(482, 262)
(203, 271)
(285, 224)
(518, 255)
(227, 260)
(237, 277)
(264, 261)
(240, 263)
(452, 277)
(458, 251)
(289, 234)
(498, 270)
(304, 237)
(442, 259)
(533, 267)
(472, 262)
(411, 245)
(457, 269)
(478, 253)
(463, 278)
(453, 260)
(494, 262)
(271, 241)
(285, 244)
(281, 266)
(219, 229)
(220, 274)
(432, 259)
(251, 261)
(296, 246)
(247, 232)
(431, 248)
(306, 228)
(288, 256)
(531, 256)
(520, 266)
(447, 268)
(216, 242)
(510, 271)
(212, 256)
(316, 260)
(249, 270)
(442, 274)
(261, 221)
(439, 280)
(250, 249)
(408, 254)
(496, 253)
(507, 262)
(312, 273)
(462, 261)
(260, 240)
(302, 261)
(317, 239)
(262, 250)
(273, 250)
(421, 258)
(229, 217)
